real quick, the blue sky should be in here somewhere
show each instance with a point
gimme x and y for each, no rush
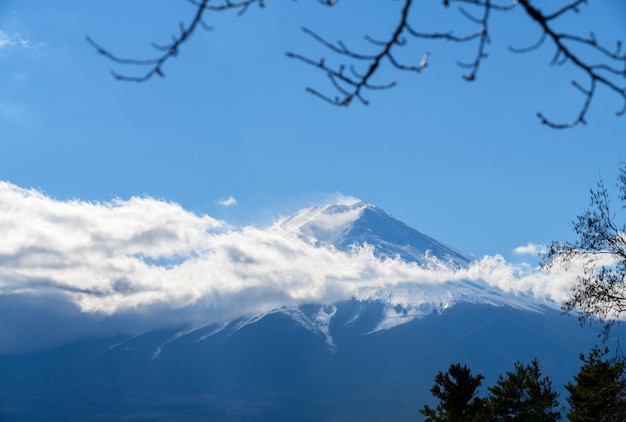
(467, 163)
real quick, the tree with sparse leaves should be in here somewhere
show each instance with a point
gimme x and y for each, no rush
(600, 292)
(598, 393)
(352, 73)
(524, 395)
(456, 390)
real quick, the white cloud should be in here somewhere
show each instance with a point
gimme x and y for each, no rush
(341, 199)
(7, 40)
(530, 249)
(4, 39)
(228, 202)
(155, 260)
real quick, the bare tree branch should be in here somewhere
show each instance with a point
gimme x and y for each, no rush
(351, 87)
(355, 75)
(592, 71)
(600, 292)
(155, 65)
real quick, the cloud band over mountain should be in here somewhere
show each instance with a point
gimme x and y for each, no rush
(139, 263)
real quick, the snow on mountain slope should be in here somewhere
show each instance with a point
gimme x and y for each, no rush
(347, 226)
(406, 302)
(344, 226)
(323, 224)
(377, 307)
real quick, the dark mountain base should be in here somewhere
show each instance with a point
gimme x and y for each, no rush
(276, 370)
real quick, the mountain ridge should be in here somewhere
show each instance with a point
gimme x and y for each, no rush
(343, 226)
(360, 224)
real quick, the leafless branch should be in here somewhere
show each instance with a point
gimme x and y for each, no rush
(351, 87)
(170, 50)
(600, 292)
(573, 6)
(530, 48)
(567, 54)
(363, 67)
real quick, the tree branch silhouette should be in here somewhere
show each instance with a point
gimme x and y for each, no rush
(600, 292)
(565, 53)
(355, 74)
(171, 50)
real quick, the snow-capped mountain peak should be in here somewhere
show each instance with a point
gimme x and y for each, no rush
(344, 226)
(325, 224)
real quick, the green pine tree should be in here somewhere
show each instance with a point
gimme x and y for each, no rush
(456, 391)
(523, 395)
(598, 391)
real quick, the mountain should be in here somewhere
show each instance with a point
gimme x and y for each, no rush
(372, 357)
(360, 223)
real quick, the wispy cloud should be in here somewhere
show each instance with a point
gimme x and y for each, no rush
(11, 111)
(4, 39)
(152, 258)
(530, 249)
(228, 202)
(341, 199)
(7, 40)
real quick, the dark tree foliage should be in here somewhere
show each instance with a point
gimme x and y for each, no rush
(599, 390)
(457, 393)
(600, 292)
(523, 395)
(600, 64)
